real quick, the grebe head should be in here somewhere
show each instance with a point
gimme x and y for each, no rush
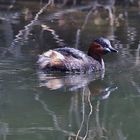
(100, 47)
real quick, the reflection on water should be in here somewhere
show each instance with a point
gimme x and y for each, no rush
(39, 106)
(82, 115)
(69, 81)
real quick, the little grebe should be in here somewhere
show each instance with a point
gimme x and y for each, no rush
(73, 60)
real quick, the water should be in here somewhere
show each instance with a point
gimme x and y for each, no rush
(67, 106)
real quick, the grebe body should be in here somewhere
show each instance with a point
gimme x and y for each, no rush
(73, 60)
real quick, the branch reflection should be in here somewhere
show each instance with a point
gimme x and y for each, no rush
(84, 107)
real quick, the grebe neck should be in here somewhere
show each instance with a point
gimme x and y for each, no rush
(99, 59)
(103, 64)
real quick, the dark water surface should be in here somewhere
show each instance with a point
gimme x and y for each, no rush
(35, 106)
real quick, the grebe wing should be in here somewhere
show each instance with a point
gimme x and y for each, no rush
(66, 51)
(50, 58)
(66, 59)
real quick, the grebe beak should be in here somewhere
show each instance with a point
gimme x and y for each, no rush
(113, 50)
(109, 50)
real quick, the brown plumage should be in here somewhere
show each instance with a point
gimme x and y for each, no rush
(73, 60)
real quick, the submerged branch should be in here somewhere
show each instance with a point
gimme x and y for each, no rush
(51, 113)
(23, 34)
(90, 113)
(78, 33)
(58, 40)
(83, 115)
(138, 56)
(55, 121)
